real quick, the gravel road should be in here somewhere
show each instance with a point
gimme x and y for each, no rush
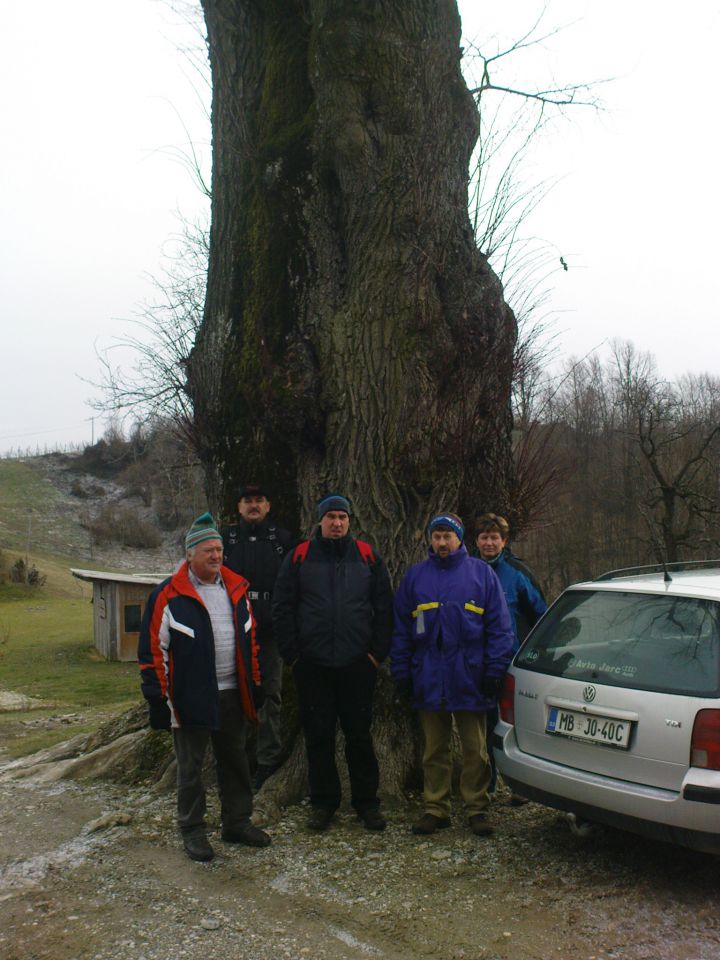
(95, 871)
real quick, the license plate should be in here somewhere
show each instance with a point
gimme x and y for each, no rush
(590, 727)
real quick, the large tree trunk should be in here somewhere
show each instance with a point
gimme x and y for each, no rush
(354, 337)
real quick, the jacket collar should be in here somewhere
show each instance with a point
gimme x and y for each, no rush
(255, 528)
(452, 560)
(498, 560)
(334, 547)
(182, 583)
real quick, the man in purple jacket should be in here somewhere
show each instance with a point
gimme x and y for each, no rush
(451, 647)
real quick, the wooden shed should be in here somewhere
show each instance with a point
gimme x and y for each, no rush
(118, 605)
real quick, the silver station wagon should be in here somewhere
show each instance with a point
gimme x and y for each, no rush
(611, 708)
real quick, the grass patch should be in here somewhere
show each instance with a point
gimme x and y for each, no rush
(60, 583)
(46, 633)
(47, 651)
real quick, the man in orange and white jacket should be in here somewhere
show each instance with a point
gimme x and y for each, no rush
(200, 675)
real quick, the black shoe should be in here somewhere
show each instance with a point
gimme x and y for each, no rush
(372, 818)
(320, 818)
(479, 825)
(248, 834)
(198, 848)
(263, 773)
(429, 823)
(517, 801)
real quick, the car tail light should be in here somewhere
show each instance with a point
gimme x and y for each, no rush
(705, 746)
(507, 699)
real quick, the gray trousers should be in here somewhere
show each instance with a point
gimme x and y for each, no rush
(269, 740)
(233, 771)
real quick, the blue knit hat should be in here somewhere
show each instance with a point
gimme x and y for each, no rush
(333, 501)
(202, 529)
(450, 520)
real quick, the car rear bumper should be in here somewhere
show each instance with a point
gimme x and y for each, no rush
(690, 820)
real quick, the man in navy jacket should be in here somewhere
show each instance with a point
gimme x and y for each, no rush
(201, 678)
(450, 650)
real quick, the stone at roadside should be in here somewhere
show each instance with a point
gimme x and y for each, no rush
(10, 701)
(441, 854)
(117, 819)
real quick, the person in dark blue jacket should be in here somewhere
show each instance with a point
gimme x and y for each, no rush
(524, 597)
(523, 594)
(450, 650)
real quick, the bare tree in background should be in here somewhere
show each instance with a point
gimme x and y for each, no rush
(674, 429)
(503, 197)
(639, 458)
(155, 386)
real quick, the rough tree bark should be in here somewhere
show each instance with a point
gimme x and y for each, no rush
(354, 337)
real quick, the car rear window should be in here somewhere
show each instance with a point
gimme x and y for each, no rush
(643, 641)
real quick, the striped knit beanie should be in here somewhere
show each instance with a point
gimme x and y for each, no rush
(450, 520)
(202, 529)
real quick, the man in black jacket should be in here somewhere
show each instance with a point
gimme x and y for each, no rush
(255, 548)
(332, 615)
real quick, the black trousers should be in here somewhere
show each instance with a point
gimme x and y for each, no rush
(326, 695)
(269, 734)
(231, 762)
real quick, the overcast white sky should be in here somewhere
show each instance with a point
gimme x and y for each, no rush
(90, 184)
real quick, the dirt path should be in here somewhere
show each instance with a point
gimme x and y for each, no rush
(531, 891)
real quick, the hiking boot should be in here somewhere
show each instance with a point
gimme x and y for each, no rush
(320, 818)
(372, 819)
(263, 773)
(429, 823)
(479, 825)
(248, 834)
(198, 848)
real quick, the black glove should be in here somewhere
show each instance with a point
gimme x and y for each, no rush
(159, 713)
(490, 687)
(258, 695)
(405, 688)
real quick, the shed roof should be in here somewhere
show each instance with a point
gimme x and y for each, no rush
(150, 579)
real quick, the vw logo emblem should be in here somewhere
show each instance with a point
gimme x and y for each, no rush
(589, 693)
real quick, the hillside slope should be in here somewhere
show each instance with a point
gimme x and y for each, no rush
(43, 503)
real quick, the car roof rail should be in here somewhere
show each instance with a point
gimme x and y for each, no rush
(676, 567)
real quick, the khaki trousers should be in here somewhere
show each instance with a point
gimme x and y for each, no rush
(437, 761)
